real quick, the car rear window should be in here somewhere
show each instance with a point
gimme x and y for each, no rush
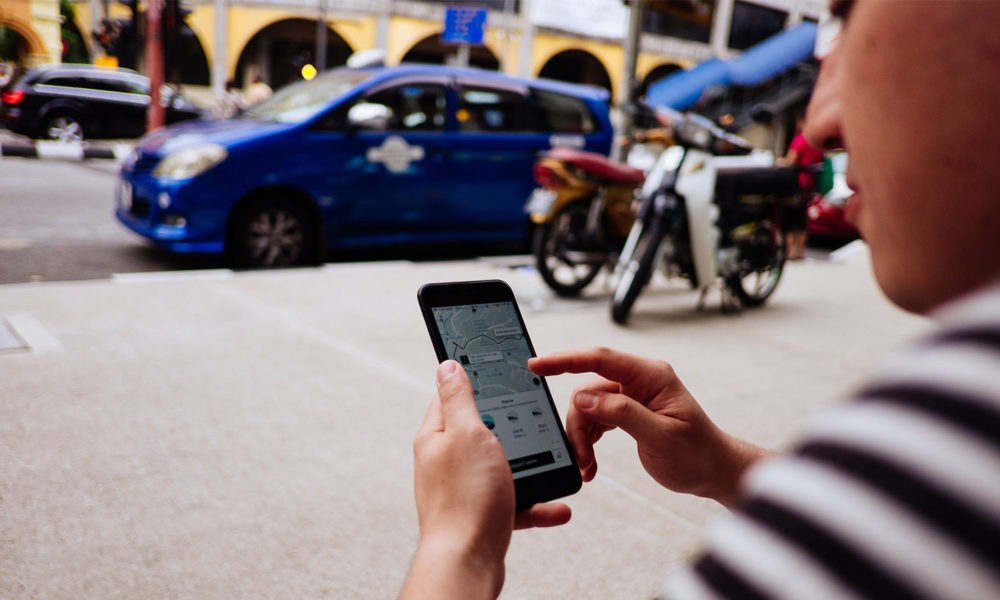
(64, 81)
(564, 113)
(487, 109)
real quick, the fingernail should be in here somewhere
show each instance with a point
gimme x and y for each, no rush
(585, 400)
(446, 370)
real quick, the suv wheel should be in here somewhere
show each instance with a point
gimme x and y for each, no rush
(64, 128)
(272, 233)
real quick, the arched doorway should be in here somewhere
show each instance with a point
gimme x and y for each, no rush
(432, 50)
(184, 59)
(655, 75)
(576, 66)
(14, 47)
(279, 51)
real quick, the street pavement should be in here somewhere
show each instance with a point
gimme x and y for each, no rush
(211, 434)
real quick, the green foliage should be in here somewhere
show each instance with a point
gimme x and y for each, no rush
(74, 48)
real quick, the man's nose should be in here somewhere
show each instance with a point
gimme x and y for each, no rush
(822, 128)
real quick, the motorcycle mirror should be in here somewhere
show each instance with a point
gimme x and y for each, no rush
(761, 113)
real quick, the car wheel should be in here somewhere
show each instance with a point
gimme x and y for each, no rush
(272, 234)
(64, 128)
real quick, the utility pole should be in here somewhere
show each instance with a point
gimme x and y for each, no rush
(155, 118)
(625, 100)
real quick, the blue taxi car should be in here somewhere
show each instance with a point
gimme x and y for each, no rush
(357, 157)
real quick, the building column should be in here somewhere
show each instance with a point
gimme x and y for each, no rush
(526, 43)
(219, 51)
(722, 23)
(382, 18)
(47, 22)
(319, 61)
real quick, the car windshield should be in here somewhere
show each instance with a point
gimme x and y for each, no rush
(300, 101)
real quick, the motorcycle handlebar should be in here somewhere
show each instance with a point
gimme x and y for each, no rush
(692, 129)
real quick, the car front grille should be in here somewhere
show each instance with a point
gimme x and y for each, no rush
(140, 207)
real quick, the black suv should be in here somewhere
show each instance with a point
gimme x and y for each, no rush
(70, 102)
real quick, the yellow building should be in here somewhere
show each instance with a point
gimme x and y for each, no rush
(37, 23)
(226, 39)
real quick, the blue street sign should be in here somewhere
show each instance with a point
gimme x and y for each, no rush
(464, 25)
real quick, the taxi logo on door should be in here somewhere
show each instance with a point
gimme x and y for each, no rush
(395, 154)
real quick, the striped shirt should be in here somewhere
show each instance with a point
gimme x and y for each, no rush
(894, 495)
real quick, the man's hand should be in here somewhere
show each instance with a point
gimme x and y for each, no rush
(678, 444)
(465, 498)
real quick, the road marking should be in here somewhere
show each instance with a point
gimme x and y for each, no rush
(14, 244)
(294, 325)
(9, 340)
(640, 498)
(31, 331)
(190, 275)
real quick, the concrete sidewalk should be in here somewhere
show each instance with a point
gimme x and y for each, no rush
(219, 435)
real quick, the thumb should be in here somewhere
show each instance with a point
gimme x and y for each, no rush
(618, 410)
(458, 404)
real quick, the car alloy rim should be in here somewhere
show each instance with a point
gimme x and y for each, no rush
(275, 237)
(65, 130)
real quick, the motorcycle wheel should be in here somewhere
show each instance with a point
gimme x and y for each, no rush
(549, 246)
(761, 264)
(637, 273)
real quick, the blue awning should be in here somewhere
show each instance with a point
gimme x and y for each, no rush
(773, 56)
(761, 62)
(681, 89)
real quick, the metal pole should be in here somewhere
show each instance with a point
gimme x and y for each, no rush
(508, 32)
(96, 23)
(625, 105)
(463, 55)
(154, 66)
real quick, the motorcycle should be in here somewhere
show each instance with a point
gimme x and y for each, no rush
(709, 215)
(582, 212)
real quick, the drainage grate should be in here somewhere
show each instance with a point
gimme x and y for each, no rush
(9, 340)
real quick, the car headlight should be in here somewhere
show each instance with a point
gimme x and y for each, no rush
(190, 162)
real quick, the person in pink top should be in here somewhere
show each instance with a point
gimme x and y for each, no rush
(793, 215)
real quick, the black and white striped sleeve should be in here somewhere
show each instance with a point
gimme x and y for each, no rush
(894, 495)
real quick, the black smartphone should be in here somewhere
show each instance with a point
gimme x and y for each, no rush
(478, 324)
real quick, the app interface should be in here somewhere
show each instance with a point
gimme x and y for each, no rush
(487, 339)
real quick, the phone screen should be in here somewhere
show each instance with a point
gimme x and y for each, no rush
(488, 340)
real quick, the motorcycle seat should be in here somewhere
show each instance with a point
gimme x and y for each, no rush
(780, 181)
(598, 164)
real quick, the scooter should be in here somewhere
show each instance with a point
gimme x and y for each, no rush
(582, 212)
(708, 215)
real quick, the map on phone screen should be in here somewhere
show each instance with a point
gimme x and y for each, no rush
(489, 342)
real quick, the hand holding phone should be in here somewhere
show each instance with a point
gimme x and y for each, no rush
(479, 325)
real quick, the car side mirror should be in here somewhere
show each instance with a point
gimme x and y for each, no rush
(368, 115)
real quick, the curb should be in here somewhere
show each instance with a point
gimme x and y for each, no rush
(65, 151)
